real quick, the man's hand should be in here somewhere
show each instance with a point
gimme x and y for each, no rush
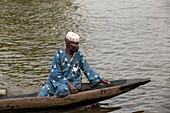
(72, 88)
(105, 81)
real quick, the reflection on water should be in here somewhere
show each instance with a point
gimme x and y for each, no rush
(120, 39)
(96, 108)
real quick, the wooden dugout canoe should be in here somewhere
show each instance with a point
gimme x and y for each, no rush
(88, 95)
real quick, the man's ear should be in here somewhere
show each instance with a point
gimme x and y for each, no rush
(67, 42)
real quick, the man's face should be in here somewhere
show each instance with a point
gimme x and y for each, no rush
(73, 46)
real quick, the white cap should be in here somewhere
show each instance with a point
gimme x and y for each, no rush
(72, 37)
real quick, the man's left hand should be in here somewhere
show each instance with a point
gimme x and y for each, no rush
(105, 81)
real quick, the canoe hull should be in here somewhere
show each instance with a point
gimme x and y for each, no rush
(81, 98)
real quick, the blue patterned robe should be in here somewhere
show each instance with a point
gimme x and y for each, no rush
(63, 70)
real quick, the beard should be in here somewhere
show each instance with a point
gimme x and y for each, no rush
(74, 49)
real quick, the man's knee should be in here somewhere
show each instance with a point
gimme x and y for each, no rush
(43, 92)
(63, 90)
(46, 91)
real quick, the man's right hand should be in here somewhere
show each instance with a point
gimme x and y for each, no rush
(72, 88)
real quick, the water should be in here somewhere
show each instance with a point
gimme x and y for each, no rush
(119, 38)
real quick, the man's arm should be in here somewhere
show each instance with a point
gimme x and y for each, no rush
(56, 73)
(92, 76)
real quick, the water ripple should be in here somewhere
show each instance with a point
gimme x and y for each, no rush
(120, 39)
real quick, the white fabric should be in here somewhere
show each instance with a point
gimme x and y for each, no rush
(72, 37)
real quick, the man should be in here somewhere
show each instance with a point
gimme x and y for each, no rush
(65, 75)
